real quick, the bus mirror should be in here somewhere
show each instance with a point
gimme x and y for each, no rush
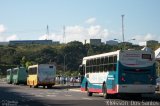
(81, 69)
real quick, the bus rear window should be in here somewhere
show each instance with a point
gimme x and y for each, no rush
(146, 56)
(15, 71)
(8, 72)
(32, 71)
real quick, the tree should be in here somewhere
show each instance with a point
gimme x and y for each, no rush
(28, 63)
(23, 61)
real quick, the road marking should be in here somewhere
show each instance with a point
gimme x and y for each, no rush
(67, 95)
(75, 90)
(52, 95)
(39, 95)
(87, 98)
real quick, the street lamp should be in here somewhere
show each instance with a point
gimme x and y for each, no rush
(117, 40)
(64, 68)
(65, 63)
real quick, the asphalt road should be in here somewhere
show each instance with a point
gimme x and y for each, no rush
(21, 95)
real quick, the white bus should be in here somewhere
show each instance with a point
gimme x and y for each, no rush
(119, 72)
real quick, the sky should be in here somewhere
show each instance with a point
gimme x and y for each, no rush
(79, 20)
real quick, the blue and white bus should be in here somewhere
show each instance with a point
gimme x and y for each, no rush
(119, 72)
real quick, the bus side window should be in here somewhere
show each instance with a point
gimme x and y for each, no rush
(91, 65)
(94, 68)
(87, 69)
(105, 67)
(115, 67)
(87, 66)
(111, 67)
(106, 60)
(101, 68)
(90, 69)
(111, 59)
(115, 59)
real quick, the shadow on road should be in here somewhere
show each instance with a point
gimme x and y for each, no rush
(8, 97)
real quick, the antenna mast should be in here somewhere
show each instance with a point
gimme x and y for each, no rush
(47, 33)
(64, 35)
(122, 28)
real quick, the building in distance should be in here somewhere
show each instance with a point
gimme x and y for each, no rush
(4, 43)
(96, 42)
(112, 42)
(21, 42)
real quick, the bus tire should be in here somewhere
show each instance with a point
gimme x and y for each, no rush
(86, 86)
(89, 93)
(49, 86)
(104, 91)
(36, 86)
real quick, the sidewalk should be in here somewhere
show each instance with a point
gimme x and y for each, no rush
(64, 86)
(71, 87)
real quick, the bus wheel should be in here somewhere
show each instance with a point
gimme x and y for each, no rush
(86, 85)
(89, 93)
(104, 91)
(36, 86)
(49, 86)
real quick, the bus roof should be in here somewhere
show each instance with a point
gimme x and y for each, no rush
(37, 65)
(113, 53)
(9, 69)
(101, 55)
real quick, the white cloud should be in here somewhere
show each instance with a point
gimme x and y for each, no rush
(53, 36)
(75, 29)
(6, 38)
(2, 28)
(12, 37)
(91, 20)
(43, 37)
(79, 33)
(94, 30)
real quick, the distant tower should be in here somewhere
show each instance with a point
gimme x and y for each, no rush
(47, 33)
(64, 35)
(122, 29)
(85, 41)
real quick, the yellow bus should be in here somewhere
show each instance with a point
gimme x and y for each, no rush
(41, 75)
